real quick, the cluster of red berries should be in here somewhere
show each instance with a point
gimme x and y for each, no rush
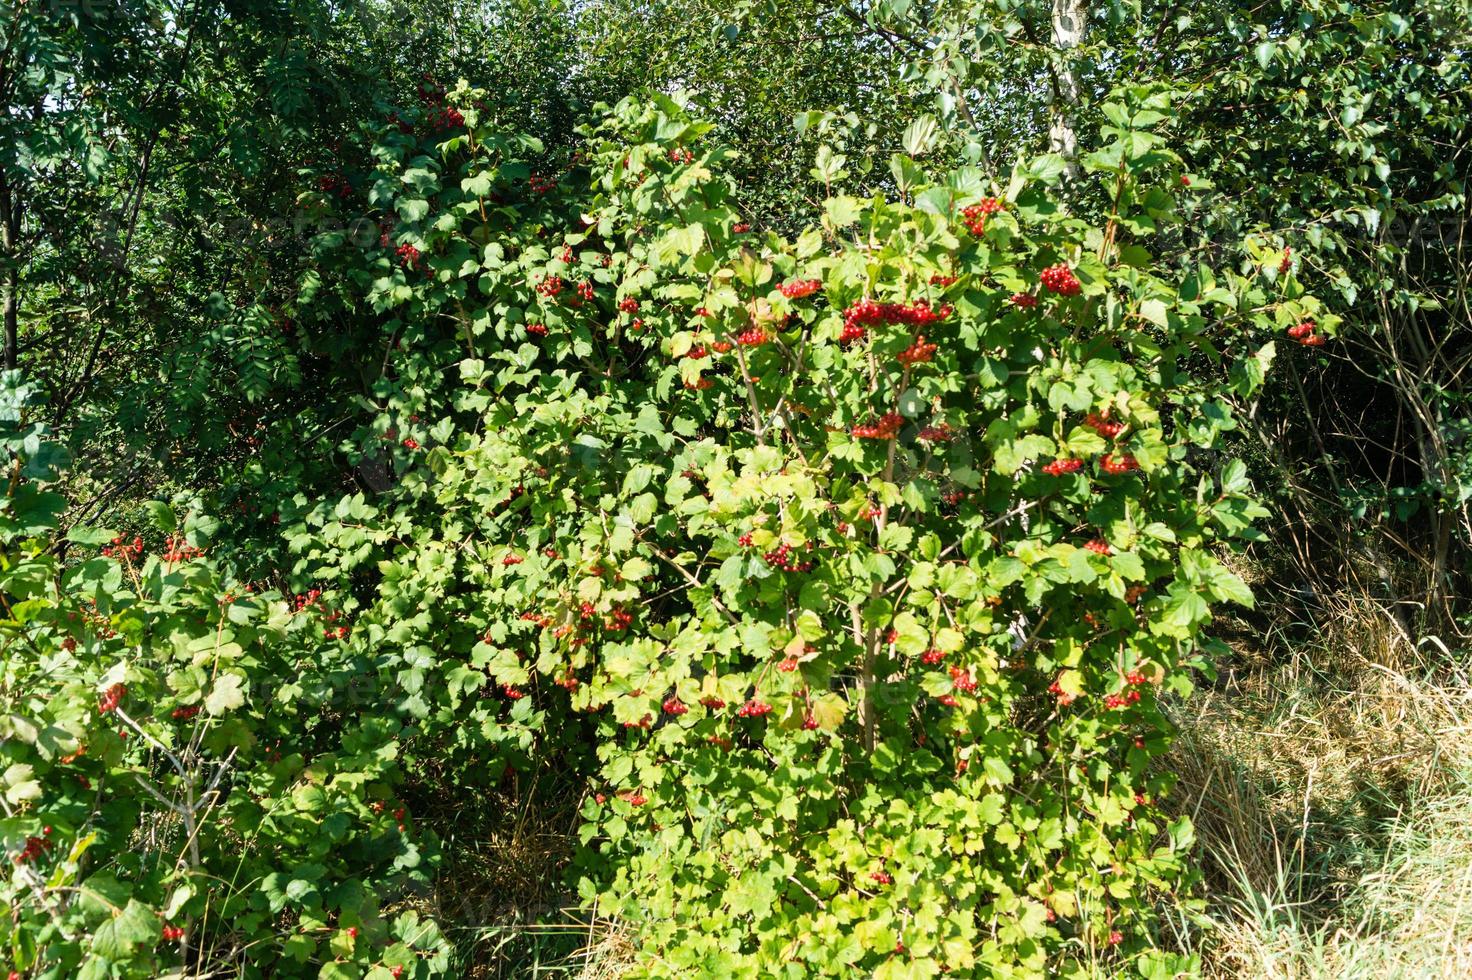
(702, 384)
(949, 700)
(887, 427)
(1061, 466)
(1121, 700)
(337, 633)
(1060, 279)
(111, 698)
(674, 706)
(918, 352)
(781, 558)
(408, 256)
(882, 878)
(122, 549)
(975, 216)
(628, 304)
(335, 184)
(172, 933)
(932, 657)
(411, 444)
(755, 337)
(712, 702)
(1064, 698)
(868, 312)
(180, 550)
(619, 620)
(184, 713)
(681, 155)
(721, 346)
(585, 290)
(798, 288)
(1287, 262)
(1102, 424)
(754, 709)
(512, 692)
(935, 433)
(35, 848)
(1099, 547)
(740, 228)
(1023, 301)
(943, 281)
(306, 600)
(446, 117)
(744, 540)
(962, 680)
(550, 286)
(537, 329)
(1116, 465)
(1306, 334)
(540, 184)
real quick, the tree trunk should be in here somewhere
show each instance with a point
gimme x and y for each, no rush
(10, 289)
(1070, 22)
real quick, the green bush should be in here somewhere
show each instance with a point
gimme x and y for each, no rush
(846, 571)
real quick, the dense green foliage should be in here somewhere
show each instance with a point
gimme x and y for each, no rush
(823, 481)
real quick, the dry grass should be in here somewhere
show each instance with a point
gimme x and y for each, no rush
(502, 890)
(1330, 777)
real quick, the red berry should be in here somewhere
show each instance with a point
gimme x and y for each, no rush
(1118, 464)
(754, 708)
(1061, 466)
(798, 288)
(917, 353)
(111, 698)
(1061, 280)
(1100, 423)
(975, 216)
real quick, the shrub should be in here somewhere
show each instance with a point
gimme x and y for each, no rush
(847, 571)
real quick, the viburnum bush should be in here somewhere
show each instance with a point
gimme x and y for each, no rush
(188, 777)
(862, 560)
(847, 572)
